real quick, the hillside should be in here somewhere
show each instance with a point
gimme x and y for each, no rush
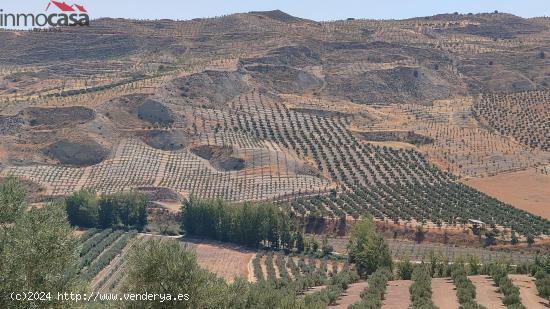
(388, 118)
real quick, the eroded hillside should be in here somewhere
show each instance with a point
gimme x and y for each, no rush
(335, 118)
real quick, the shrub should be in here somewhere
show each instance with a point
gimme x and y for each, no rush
(405, 269)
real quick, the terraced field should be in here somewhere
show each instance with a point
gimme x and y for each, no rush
(523, 116)
(102, 257)
(429, 125)
(337, 118)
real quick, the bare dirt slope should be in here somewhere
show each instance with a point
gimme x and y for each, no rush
(226, 261)
(528, 190)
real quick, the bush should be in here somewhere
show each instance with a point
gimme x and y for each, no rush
(326, 247)
(405, 269)
(474, 265)
(543, 286)
(541, 271)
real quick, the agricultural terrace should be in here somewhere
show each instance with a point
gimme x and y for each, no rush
(524, 116)
(251, 117)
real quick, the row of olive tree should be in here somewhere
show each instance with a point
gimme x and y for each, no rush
(125, 209)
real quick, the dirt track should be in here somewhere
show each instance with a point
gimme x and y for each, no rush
(486, 292)
(351, 295)
(397, 295)
(444, 293)
(528, 292)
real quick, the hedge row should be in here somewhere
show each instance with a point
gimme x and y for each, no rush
(257, 264)
(465, 289)
(88, 234)
(511, 299)
(372, 296)
(421, 289)
(335, 287)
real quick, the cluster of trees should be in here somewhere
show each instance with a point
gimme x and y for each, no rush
(120, 210)
(252, 225)
(38, 250)
(367, 248)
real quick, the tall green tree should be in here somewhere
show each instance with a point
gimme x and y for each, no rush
(367, 249)
(165, 267)
(123, 209)
(12, 200)
(83, 208)
(39, 253)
